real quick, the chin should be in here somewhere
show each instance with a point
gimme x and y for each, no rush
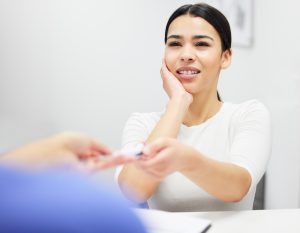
(189, 89)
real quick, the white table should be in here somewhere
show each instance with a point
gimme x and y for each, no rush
(254, 221)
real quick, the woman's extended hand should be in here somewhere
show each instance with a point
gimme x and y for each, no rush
(171, 84)
(163, 157)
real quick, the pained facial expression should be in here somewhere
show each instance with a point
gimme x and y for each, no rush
(194, 54)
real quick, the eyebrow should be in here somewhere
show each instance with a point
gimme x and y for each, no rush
(194, 37)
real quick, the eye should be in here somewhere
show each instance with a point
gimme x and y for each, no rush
(200, 44)
(174, 44)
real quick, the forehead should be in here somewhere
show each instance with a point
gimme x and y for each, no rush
(188, 26)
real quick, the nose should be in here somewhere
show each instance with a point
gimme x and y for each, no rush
(187, 54)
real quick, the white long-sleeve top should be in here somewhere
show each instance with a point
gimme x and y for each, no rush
(239, 134)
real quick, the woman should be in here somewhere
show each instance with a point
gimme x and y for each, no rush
(201, 154)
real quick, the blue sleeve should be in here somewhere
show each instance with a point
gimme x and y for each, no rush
(61, 202)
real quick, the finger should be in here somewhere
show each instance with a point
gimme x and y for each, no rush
(115, 161)
(140, 164)
(101, 148)
(148, 171)
(156, 146)
(164, 71)
(152, 173)
(102, 165)
(89, 154)
(96, 154)
(163, 75)
(164, 67)
(84, 156)
(161, 162)
(145, 165)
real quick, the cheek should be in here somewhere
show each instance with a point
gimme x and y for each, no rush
(171, 60)
(210, 61)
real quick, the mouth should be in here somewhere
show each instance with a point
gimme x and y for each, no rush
(187, 73)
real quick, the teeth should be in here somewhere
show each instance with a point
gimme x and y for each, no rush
(188, 72)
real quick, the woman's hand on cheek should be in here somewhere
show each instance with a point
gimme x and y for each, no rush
(171, 84)
(161, 158)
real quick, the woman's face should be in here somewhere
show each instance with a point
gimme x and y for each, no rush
(194, 54)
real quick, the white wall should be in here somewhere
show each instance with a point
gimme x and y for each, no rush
(284, 100)
(86, 65)
(269, 71)
(82, 65)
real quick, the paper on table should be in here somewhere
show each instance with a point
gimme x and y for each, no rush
(167, 222)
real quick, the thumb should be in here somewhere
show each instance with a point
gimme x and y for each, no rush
(156, 146)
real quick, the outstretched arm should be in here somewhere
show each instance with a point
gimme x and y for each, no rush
(229, 180)
(71, 149)
(134, 180)
(225, 181)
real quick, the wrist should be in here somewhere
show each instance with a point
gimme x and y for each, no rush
(187, 160)
(178, 107)
(181, 101)
(182, 97)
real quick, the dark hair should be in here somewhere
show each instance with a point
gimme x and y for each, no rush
(212, 16)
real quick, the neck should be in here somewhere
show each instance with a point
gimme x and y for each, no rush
(203, 107)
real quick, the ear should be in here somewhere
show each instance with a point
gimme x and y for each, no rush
(226, 59)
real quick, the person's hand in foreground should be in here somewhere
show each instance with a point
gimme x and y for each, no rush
(67, 149)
